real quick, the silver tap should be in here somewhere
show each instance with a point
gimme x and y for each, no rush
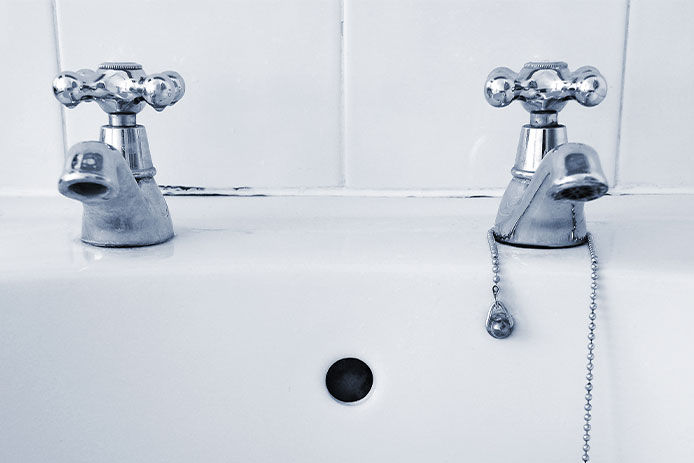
(114, 177)
(552, 179)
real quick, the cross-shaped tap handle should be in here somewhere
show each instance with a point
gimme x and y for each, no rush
(545, 86)
(119, 88)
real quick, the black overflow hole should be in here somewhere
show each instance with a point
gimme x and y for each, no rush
(349, 380)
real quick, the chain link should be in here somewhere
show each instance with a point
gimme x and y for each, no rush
(494, 250)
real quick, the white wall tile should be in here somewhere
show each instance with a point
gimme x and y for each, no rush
(656, 139)
(414, 72)
(263, 85)
(31, 143)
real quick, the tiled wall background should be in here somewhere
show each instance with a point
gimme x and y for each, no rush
(352, 96)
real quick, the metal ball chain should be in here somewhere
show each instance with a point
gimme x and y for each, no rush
(591, 346)
(499, 320)
(495, 260)
(587, 407)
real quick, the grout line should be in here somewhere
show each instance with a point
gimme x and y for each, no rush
(329, 192)
(620, 116)
(640, 190)
(58, 65)
(342, 145)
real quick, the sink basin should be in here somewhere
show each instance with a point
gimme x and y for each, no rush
(214, 347)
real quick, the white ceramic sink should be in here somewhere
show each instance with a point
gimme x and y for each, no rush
(214, 347)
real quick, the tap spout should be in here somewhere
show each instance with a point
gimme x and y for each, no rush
(120, 210)
(546, 210)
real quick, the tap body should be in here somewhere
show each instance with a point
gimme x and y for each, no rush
(552, 179)
(114, 177)
(543, 204)
(120, 209)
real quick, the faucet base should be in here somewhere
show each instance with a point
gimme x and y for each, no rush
(119, 245)
(143, 221)
(569, 244)
(544, 224)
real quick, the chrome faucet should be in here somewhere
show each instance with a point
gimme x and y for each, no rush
(552, 179)
(113, 177)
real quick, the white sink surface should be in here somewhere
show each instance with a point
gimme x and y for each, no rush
(214, 347)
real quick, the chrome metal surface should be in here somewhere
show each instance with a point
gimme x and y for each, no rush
(547, 210)
(119, 210)
(113, 177)
(133, 145)
(545, 86)
(533, 144)
(543, 204)
(119, 88)
(122, 119)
